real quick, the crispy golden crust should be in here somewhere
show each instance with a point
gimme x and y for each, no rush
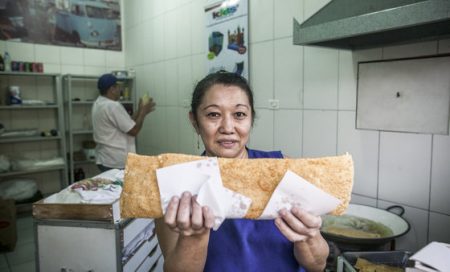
(254, 178)
(140, 195)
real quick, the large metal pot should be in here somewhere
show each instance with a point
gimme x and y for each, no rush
(397, 224)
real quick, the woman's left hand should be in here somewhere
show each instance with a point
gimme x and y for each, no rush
(303, 229)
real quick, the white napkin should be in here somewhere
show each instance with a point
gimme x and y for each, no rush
(201, 178)
(293, 190)
(434, 255)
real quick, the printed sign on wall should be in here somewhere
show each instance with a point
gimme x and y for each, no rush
(76, 23)
(227, 36)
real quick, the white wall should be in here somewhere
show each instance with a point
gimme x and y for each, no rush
(317, 92)
(65, 60)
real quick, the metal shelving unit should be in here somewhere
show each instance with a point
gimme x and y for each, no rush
(45, 88)
(32, 171)
(28, 139)
(80, 93)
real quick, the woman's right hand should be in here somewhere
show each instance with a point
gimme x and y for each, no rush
(186, 217)
(183, 234)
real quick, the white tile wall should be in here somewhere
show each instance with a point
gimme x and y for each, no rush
(197, 27)
(20, 51)
(288, 73)
(156, 86)
(3, 47)
(312, 6)
(115, 60)
(156, 8)
(183, 32)
(362, 200)
(173, 129)
(198, 68)
(439, 227)
(404, 175)
(187, 137)
(72, 69)
(148, 8)
(133, 49)
(146, 36)
(184, 80)
(261, 20)
(142, 72)
(261, 136)
(416, 237)
(170, 34)
(141, 33)
(94, 57)
(132, 12)
(158, 38)
(47, 54)
(410, 50)
(321, 78)
(261, 72)
(172, 5)
(368, 54)
(347, 80)
(440, 175)
(319, 133)
(171, 81)
(288, 132)
(154, 132)
(283, 17)
(363, 146)
(71, 56)
(94, 70)
(52, 68)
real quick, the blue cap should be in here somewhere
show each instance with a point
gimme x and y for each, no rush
(106, 81)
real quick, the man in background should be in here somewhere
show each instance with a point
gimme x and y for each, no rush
(115, 130)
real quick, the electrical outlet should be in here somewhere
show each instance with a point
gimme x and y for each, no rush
(274, 104)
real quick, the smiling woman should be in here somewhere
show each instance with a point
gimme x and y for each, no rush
(224, 120)
(222, 113)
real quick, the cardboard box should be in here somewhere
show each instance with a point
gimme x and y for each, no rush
(8, 231)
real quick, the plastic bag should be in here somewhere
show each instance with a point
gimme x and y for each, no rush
(5, 164)
(18, 189)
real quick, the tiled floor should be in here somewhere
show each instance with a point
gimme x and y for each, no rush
(22, 259)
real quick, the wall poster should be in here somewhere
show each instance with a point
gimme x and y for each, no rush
(227, 36)
(77, 23)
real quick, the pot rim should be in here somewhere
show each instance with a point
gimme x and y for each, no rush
(378, 240)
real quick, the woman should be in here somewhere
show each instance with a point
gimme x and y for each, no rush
(222, 113)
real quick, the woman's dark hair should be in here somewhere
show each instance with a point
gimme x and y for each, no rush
(224, 78)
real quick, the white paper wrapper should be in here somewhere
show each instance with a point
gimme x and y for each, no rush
(224, 202)
(293, 190)
(202, 178)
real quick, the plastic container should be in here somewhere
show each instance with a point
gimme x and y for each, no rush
(7, 60)
(2, 63)
(347, 260)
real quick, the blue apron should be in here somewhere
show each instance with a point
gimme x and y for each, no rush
(250, 245)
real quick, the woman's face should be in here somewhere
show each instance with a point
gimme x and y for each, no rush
(224, 121)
